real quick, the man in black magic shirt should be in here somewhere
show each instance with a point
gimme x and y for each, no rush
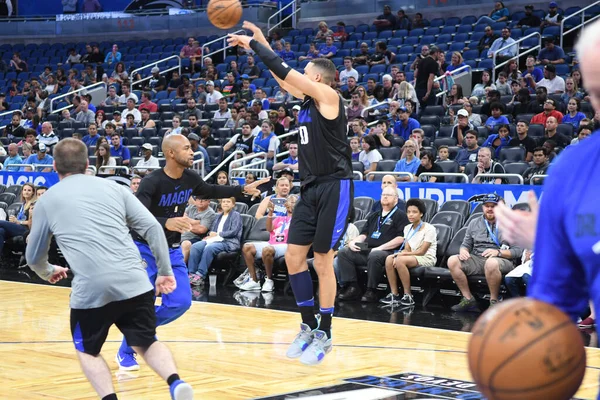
(165, 192)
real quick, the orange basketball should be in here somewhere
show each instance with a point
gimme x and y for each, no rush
(224, 14)
(526, 349)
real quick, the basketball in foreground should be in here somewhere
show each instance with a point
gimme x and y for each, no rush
(224, 14)
(526, 349)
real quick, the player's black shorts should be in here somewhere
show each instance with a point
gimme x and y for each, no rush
(134, 317)
(322, 214)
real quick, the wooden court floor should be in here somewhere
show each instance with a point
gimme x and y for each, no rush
(225, 352)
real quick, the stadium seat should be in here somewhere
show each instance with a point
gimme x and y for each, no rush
(432, 208)
(460, 206)
(511, 154)
(452, 219)
(390, 153)
(364, 203)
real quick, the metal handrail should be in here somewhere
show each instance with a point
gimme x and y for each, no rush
(519, 54)
(279, 13)
(135, 71)
(468, 68)
(6, 113)
(141, 167)
(360, 175)
(537, 177)
(478, 177)
(444, 174)
(113, 167)
(85, 88)
(411, 176)
(282, 154)
(386, 101)
(581, 25)
(23, 166)
(226, 46)
(260, 172)
(223, 163)
(248, 167)
(242, 160)
(202, 162)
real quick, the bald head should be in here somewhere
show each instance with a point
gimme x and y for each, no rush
(587, 47)
(388, 181)
(178, 152)
(174, 143)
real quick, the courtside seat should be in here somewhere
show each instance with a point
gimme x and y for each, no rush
(227, 263)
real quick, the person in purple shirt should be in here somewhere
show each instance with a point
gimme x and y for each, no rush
(287, 54)
(328, 50)
(405, 125)
(118, 150)
(532, 75)
(497, 118)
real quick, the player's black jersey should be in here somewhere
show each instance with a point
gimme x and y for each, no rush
(168, 198)
(323, 152)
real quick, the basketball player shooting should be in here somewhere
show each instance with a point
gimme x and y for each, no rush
(325, 206)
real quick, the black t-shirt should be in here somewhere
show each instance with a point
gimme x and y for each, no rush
(251, 71)
(528, 143)
(166, 197)
(377, 56)
(389, 229)
(495, 168)
(209, 141)
(387, 136)
(347, 94)
(426, 66)
(560, 140)
(434, 168)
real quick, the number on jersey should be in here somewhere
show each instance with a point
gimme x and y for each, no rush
(303, 132)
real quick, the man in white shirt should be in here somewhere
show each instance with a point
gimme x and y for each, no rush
(148, 161)
(47, 136)
(553, 84)
(86, 115)
(212, 95)
(127, 94)
(348, 71)
(137, 116)
(223, 112)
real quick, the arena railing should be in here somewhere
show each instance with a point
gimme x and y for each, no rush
(141, 167)
(223, 163)
(538, 178)
(155, 64)
(411, 176)
(199, 165)
(83, 90)
(478, 177)
(374, 106)
(260, 164)
(294, 15)
(519, 53)
(359, 174)
(464, 177)
(581, 24)
(225, 45)
(3, 114)
(462, 76)
(32, 166)
(113, 167)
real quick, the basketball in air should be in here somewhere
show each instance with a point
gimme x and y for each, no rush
(224, 14)
(525, 349)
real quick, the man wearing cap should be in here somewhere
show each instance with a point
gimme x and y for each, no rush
(554, 84)
(86, 115)
(212, 95)
(405, 125)
(549, 111)
(551, 53)
(195, 146)
(118, 150)
(137, 115)
(499, 47)
(147, 103)
(157, 82)
(148, 161)
(483, 252)
(462, 126)
(40, 157)
(47, 136)
(428, 69)
(553, 18)
(530, 20)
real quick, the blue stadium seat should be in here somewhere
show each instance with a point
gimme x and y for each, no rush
(369, 36)
(437, 22)
(464, 29)
(551, 31)
(350, 44)
(457, 46)
(450, 30)
(412, 41)
(444, 38)
(400, 33)
(384, 35)
(362, 28)
(417, 32)
(453, 21)
(378, 69)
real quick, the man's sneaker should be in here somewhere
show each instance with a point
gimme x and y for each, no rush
(465, 305)
(268, 286)
(303, 339)
(407, 300)
(240, 279)
(587, 323)
(197, 280)
(127, 361)
(317, 349)
(391, 299)
(181, 390)
(250, 285)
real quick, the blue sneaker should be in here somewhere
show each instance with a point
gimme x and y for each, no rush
(181, 391)
(303, 340)
(319, 346)
(127, 361)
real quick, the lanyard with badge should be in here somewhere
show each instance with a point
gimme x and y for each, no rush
(377, 233)
(493, 235)
(410, 234)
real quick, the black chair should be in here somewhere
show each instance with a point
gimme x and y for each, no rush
(252, 210)
(440, 274)
(216, 154)
(259, 232)
(565, 129)
(8, 198)
(3, 205)
(478, 208)
(445, 131)
(360, 224)
(536, 130)
(14, 189)
(429, 130)
(473, 216)
(512, 154)
(522, 207)
(515, 168)
(364, 203)
(2, 188)
(432, 120)
(450, 167)
(444, 141)
(460, 206)
(13, 208)
(358, 214)
(358, 166)
(242, 208)
(452, 219)
(432, 208)
(390, 153)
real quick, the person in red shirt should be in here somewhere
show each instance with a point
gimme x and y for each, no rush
(549, 111)
(147, 104)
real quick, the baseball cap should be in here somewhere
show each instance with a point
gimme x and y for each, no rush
(552, 4)
(462, 113)
(147, 146)
(245, 76)
(491, 198)
(402, 109)
(296, 107)
(286, 171)
(155, 69)
(116, 112)
(41, 147)
(193, 136)
(210, 83)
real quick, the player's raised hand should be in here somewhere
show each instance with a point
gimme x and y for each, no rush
(252, 188)
(59, 273)
(242, 41)
(179, 224)
(165, 284)
(256, 31)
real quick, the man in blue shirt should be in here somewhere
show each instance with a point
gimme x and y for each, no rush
(327, 50)
(500, 44)
(409, 162)
(551, 54)
(405, 125)
(40, 158)
(92, 137)
(13, 158)
(118, 150)
(532, 75)
(287, 54)
(291, 162)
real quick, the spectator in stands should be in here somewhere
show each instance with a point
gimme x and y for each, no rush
(130, 121)
(118, 150)
(485, 165)
(498, 14)
(127, 94)
(383, 233)
(47, 136)
(405, 124)
(278, 128)
(156, 83)
(386, 180)
(86, 115)
(97, 56)
(185, 85)
(582, 132)
(496, 118)
(479, 89)
(291, 162)
(13, 158)
(404, 92)
(14, 129)
(257, 108)
(19, 224)
(51, 85)
(498, 140)
(364, 98)
(408, 162)
(538, 104)
(223, 111)
(443, 153)
(312, 53)
(502, 85)
(135, 183)
(428, 164)
(281, 192)
(540, 166)
(455, 97)
(483, 251)
(104, 159)
(419, 22)
(187, 51)
(348, 71)
(176, 126)
(418, 135)
(552, 133)
(553, 83)
(355, 147)
(147, 103)
(40, 157)
(327, 50)
(574, 114)
(386, 21)
(362, 57)
(206, 139)
(499, 47)
(421, 56)
(381, 134)
(212, 95)
(369, 156)
(192, 109)
(17, 64)
(355, 108)
(524, 140)
(92, 137)
(114, 56)
(571, 91)
(512, 71)
(530, 20)
(551, 53)
(456, 62)
(549, 111)
(462, 125)
(402, 21)
(202, 216)
(488, 38)
(340, 34)
(382, 55)
(74, 57)
(145, 122)
(193, 125)
(119, 74)
(553, 18)
(427, 71)
(131, 110)
(250, 69)
(323, 31)
(148, 161)
(112, 99)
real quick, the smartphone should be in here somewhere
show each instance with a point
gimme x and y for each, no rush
(363, 246)
(278, 201)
